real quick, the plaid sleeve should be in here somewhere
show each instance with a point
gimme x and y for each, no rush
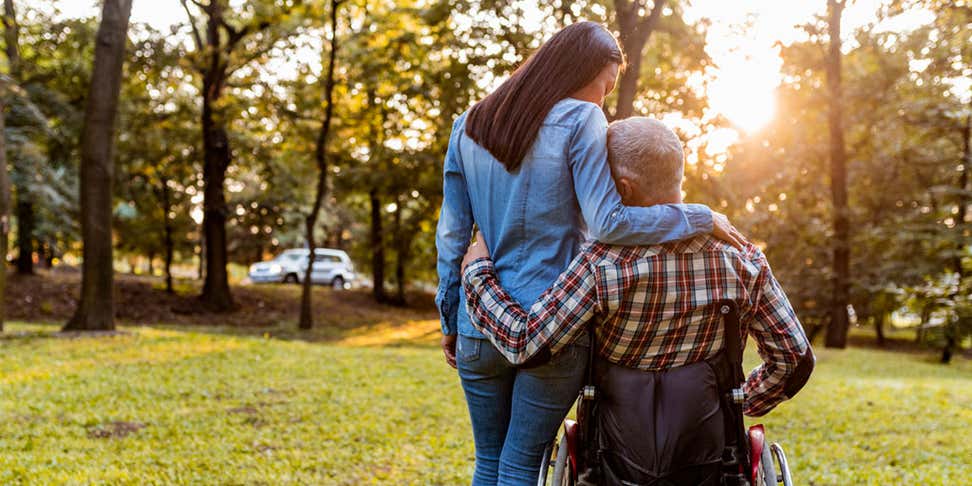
(781, 342)
(556, 318)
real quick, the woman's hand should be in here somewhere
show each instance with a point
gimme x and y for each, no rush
(724, 230)
(449, 349)
(476, 250)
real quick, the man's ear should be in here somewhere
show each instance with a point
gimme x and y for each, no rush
(625, 188)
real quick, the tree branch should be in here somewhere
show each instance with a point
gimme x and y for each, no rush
(192, 23)
(648, 25)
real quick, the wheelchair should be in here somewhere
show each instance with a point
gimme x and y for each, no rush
(748, 460)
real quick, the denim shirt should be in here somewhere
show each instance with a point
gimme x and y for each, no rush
(535, 218)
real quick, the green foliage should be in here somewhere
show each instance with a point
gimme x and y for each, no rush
(44, 120)
(407, 69)
(945, 307)
(162, 406)
(904, 133)
(157, 159)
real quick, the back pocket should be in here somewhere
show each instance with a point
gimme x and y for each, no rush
(468, 349)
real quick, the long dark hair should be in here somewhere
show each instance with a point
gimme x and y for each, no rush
(507, 121)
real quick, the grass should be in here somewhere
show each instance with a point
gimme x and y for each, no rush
(378, 405)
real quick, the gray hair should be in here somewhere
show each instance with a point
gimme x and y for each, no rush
(648, 153)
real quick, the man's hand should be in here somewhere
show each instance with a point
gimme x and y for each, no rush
(476, 251)
(449, 349)
(725, 231)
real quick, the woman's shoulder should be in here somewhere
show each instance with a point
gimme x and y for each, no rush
(572, 113)
(460, 122)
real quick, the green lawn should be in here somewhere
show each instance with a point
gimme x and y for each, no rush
(205, 406)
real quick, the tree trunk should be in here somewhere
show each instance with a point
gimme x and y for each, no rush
(950, 343)
(926, 312)
(837, 331)
(377, 249)
(320, 157)
(25, 234)
(46, 255)
(879, 327)
(963, 202)
(635, 31)
(96, 309)
(4, 208)
(216, 294)
(150, 267)
(401, 254)
(12, 37)
(11, 31)
(167, 239)
(201, 270)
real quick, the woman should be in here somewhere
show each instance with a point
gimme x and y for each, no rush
(528, 165)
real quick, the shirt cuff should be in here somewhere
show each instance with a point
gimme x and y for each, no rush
(478, 268)
(700, 217)
(447, 318)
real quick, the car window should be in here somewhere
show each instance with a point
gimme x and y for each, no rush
(327, 259)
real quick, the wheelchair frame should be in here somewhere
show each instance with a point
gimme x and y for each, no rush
(755, 465)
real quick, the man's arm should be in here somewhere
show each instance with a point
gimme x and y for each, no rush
(787, 356)
(608, 220)
(553, 321)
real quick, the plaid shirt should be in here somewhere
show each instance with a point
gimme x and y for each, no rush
(655, 307)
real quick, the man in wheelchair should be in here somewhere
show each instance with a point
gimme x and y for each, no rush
(657, 314)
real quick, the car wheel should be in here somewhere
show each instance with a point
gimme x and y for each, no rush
(338, 283)
(291, 278)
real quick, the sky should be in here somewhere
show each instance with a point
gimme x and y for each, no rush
(742, 41)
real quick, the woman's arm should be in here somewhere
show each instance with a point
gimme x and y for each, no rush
(607, 219)
(453, 232)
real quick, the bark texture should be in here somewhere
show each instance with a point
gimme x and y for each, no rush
(635, 20)
(96, 309)
(13, 58)
(837, 330)
(377, 249)
(4, 210)
(320, 157)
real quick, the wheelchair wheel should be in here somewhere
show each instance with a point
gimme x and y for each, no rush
(558, 459)
(780, 456)
(766, 474)
(562, 472)
(545, 465)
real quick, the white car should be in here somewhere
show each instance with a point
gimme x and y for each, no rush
(331, 267)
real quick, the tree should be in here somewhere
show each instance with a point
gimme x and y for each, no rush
(4, 205)
(96, 310)
(838, 327)
(25, 208)
(221, 52)
(52, 63)
(321, 159)
(635, 21)
(156, 169)
(10, 26)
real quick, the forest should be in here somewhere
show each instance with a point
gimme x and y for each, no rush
(151, 151)
(252, 127)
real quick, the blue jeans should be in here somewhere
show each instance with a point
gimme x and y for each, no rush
(515, 412)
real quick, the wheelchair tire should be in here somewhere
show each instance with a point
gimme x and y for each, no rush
(545, 465)
(767, 467)
(562, 472)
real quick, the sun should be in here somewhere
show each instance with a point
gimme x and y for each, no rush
(744, 83)
(747, 101)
